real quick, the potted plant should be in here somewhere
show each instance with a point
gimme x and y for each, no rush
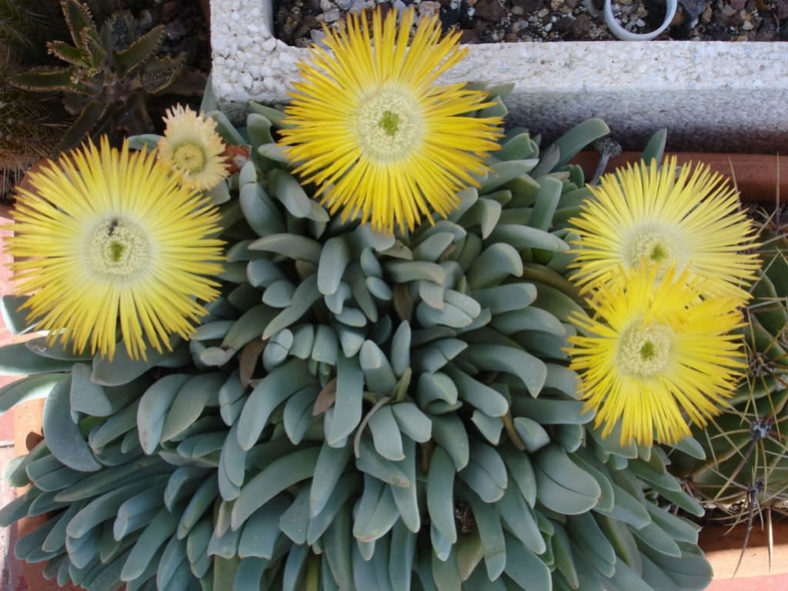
(339, 404)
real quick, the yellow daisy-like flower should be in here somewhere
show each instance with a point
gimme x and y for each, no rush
(370, 126)
(654, 354)
(192, 147)
(105, 238)
(688, 218)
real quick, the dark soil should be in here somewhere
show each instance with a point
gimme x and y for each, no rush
(298, 22)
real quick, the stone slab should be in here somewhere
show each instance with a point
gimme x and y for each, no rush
(712, 96)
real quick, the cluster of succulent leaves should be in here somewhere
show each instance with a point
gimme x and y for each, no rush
(110, 74)
(357, 411)
(746, 462)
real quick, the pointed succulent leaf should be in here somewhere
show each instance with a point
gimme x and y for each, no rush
(655, 148)
(44, 79)
(78, 18)
(159, 73)
(577, 138)
(38, 386)
(67, 53)
(88, 118)
(133, 56)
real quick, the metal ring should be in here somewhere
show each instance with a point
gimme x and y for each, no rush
(615, 27)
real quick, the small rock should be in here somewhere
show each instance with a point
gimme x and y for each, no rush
(344, 4)
(582, 26)
(693, 8)
(169, 10)
(175, 30)
(359, 5)
(450, 17)
(767, 31)
(469, 36)
(490, 10)
(543, 13)
(519, 25)
(428, 8)
(518, 10)
(564, 24)
(706, 18)
(326, 5)
(727, 10)
(782, 12)
(332, 15)
(317, 35)
(528, 6)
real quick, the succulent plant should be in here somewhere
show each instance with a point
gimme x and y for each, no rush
(358, 410)
(111, 72)
(746, 463)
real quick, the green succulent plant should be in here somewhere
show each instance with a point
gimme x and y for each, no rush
(746, 463)
(110, 73)
(358, 411)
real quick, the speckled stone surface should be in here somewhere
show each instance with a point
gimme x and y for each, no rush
(711, 96)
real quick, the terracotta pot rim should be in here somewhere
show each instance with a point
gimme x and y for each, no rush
(760, 178)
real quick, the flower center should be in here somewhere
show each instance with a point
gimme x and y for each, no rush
(389, 124)
(656, 244)
(117, 249)
(189, 157)
(645, 351)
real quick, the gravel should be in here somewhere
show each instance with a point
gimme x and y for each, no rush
(299, 22)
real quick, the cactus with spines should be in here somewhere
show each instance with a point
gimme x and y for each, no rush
(357, 411)
(25, 27)
(30, 125)
(746, 447)
(29, 130)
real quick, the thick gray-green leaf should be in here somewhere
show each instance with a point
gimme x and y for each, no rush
(63, 436)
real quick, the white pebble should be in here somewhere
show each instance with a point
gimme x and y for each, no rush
(331, 15)
(317, 35)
